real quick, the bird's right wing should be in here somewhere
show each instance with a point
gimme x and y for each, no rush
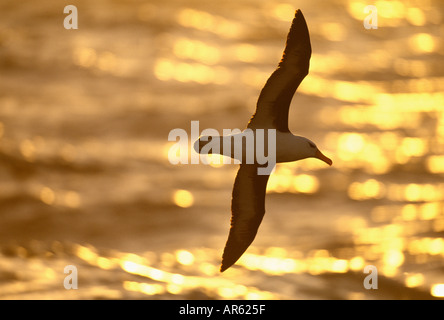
(247, 211)
(275, 98)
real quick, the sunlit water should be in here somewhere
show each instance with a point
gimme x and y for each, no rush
(85, 177)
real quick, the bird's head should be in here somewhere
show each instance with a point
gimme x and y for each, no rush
(294, 148)
(313, 152)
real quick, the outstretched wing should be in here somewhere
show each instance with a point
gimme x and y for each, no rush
(247, 211)
(274, 101)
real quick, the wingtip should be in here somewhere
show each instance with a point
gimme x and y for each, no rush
(299, 17)
(298, 13)
(230, 256)
(224, 265)
(298, 36)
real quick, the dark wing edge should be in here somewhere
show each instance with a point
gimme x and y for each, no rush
(247, 212)
(275, 98)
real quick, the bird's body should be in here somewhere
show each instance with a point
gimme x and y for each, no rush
(289, 147)
(248, 200)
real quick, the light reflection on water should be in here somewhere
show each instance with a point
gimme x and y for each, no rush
(86, 166)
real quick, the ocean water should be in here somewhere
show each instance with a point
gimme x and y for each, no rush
(85, 178)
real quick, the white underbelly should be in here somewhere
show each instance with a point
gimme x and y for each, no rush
(257, 145)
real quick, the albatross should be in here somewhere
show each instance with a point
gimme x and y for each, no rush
(248, 198)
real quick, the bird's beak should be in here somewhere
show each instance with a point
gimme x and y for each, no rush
(322, 157)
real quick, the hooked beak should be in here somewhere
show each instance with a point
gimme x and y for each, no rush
(322, 157)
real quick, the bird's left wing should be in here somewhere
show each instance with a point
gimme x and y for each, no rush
(247, 211)
(275, 98)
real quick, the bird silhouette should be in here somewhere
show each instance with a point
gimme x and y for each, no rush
(248, 198)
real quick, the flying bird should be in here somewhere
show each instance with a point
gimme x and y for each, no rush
(248, 198)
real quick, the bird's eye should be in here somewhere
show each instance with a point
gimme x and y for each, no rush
(311, 144)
